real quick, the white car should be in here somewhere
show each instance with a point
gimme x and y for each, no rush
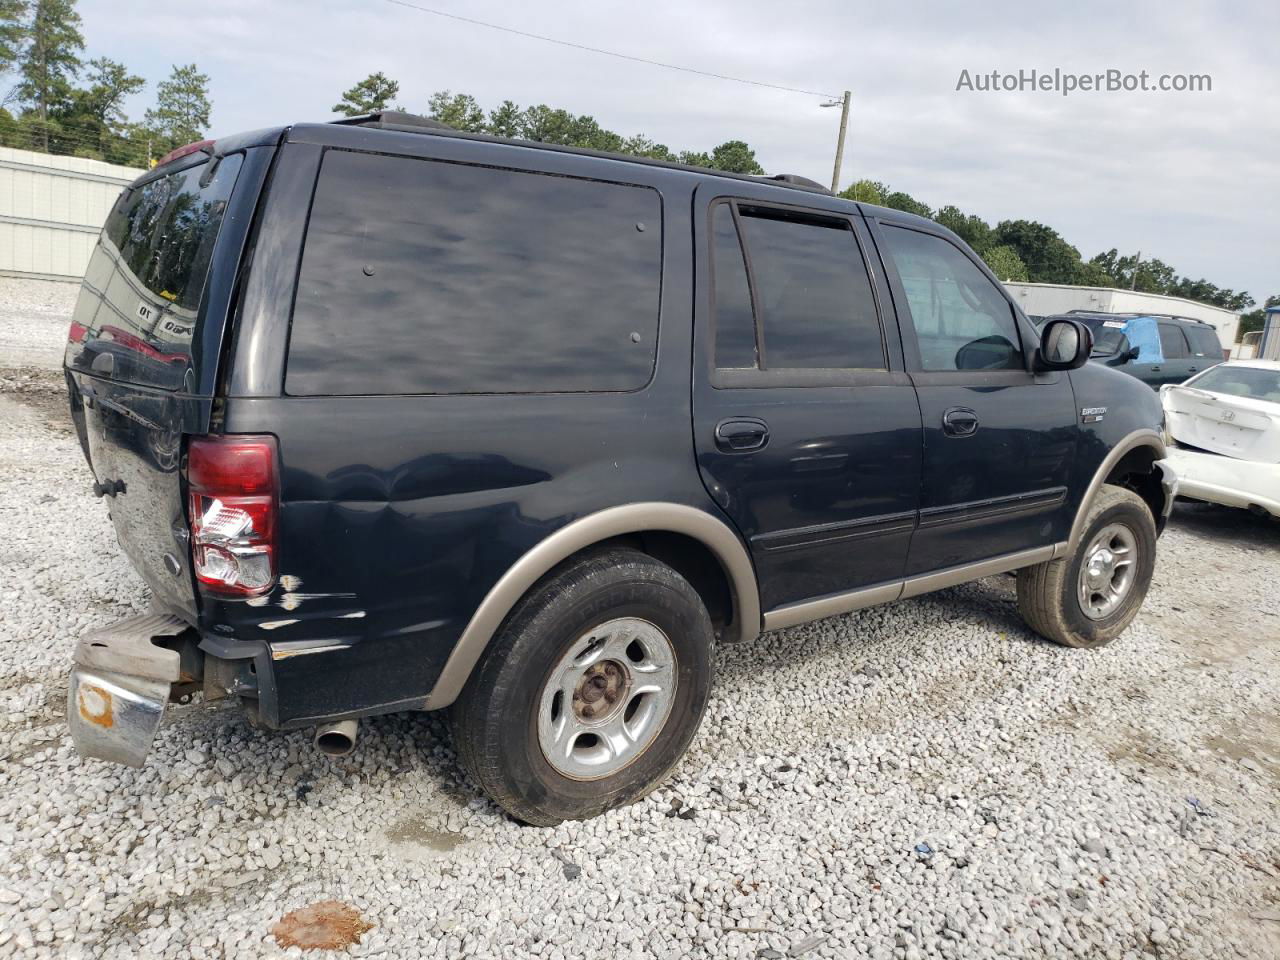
(1224, 431)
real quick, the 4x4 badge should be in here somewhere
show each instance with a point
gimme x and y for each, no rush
(1092, 414)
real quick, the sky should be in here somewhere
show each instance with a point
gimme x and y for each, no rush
(1192, 178)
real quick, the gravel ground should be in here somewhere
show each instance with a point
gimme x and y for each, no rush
(33, 321)
(925, 779)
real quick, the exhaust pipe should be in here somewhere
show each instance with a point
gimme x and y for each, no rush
(336, 739)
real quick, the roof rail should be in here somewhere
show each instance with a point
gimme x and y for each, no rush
(403, 122)
(795, 180)
(393, 119)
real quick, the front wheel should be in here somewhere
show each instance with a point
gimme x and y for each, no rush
(591, 692)
(1088, 597)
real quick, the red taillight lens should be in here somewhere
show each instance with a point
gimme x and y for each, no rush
(78, 332)
(232, 503)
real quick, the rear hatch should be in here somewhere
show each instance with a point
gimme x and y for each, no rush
(1242, 427)
(139, 361)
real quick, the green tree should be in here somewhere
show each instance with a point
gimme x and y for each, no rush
(641, 146)
(695, 158)
(181, 113)
(1048, 257)
(459, 111)
(543, 124)
(50, 59)
(867, 191)
(1005, 263)
(1254, 319)
(13, 33)
(734, 156)
(93, 119)
(504, 121)
(972, 229)
(905, 202)
(370, 95)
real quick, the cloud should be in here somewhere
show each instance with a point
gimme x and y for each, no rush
(1193, 179)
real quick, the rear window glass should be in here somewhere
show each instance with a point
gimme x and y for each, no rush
(421, 277)
(1257, 383)
(136, 315)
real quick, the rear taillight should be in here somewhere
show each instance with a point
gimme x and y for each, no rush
(232, 503)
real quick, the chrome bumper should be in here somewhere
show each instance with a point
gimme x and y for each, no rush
(119, 687)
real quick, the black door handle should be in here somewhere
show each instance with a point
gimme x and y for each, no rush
(960, 422)
(1155, 369)
(741, 435)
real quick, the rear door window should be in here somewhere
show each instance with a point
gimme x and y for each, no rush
(139, 303)
(424, 277)
(1204, 342)
(1172, 342)
(806, 303)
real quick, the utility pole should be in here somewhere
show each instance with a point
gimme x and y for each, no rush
(1133, 281)
(843, 104)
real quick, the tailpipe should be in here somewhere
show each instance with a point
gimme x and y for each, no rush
(336, 739)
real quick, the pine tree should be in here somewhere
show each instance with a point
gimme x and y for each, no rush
(51, 58)
(13, 33)
(370, 95)
(181, 113)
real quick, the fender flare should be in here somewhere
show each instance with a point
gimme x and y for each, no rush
(594, 528)
(1145, 437)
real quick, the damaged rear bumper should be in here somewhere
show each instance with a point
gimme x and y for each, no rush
(120, 683)
(1216, 478)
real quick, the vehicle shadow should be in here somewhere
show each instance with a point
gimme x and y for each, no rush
(1225, 523)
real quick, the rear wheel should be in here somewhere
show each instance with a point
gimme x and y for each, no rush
(591, 692)
(1089, 597)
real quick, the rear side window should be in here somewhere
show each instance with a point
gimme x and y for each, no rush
(1204, 342)
(808, 304)
(1172, 342)
(961, 320)
(422, 277)
(136, 316)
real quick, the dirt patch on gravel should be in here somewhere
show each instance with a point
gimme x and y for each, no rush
(44, 391)
(328, 925)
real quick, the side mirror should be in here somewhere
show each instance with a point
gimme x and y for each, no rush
(1064, 345)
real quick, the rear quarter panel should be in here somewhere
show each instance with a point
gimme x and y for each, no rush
(399, 513)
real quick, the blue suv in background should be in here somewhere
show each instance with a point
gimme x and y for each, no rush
(1157, 349)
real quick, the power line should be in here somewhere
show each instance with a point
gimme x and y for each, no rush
(607, 53)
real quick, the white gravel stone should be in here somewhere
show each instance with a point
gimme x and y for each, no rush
(1054, 787)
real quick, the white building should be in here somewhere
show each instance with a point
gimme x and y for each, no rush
(51, 210)
(1043, 299)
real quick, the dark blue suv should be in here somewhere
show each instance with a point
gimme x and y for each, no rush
(424, 419)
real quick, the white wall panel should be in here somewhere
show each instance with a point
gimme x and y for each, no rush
(51, 209)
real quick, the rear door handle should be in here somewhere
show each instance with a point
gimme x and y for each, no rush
(741, 435)
(960, 422)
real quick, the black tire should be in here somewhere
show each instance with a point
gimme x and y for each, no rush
(495, 719)
(1048, 597)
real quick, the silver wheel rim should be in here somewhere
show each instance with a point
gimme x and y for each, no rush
(1108, 571)
(606, 698)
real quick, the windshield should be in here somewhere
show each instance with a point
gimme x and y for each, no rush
(136, 315)
(1108, 335)
(1256, 383)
